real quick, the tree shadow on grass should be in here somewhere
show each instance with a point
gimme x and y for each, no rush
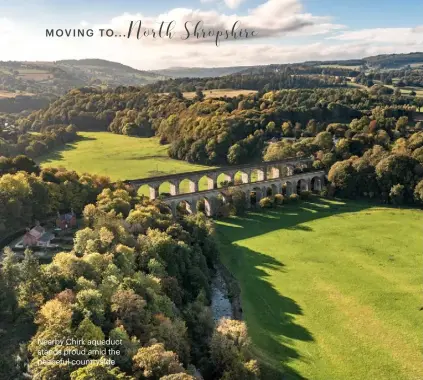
(256, 223)
(271, 316)
(57, 153)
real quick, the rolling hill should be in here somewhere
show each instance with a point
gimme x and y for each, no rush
(199, 72)
(26, 78)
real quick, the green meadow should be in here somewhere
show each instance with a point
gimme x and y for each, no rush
(116, 156)
(330, 290)
(121, 158)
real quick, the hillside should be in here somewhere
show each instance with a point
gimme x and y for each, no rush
(381, 61)
(199, 72)
(395, 60)
(109, 73)
(378, 61)
(27, 78)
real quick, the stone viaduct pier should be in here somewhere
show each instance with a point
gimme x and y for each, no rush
(286, 176)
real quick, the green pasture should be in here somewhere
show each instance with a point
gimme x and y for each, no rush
(330, 290)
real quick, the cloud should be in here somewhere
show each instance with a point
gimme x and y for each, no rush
(274, 18)
(7, 27)
(384, 35)
(284, 29)
(233, 4)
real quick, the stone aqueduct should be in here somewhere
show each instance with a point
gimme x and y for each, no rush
(270, 179)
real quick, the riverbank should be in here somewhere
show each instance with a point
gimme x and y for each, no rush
(226, 300)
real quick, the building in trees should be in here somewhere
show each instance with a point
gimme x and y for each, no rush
(66, 221)
(37, 237)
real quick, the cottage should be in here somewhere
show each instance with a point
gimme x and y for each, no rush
(66, 221)
(37, 237)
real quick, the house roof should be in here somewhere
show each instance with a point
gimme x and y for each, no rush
(47, 237)
(36, 233)
(66, 217)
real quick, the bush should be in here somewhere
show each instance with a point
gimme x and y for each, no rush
(418, 192)
(226, 210)
(305, 194)
(294, 198)
(397, 194)
(324, 192)
(266, 202)
(318, 165)
(279, 199)
(238, 200)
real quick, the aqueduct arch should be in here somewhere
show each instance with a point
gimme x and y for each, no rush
(302, 185)
(316, 184)
(276, 176)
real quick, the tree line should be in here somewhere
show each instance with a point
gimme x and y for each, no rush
(254, 79)
(135, 277)
(14, 142)
(210, 131)
(378, 157)
(28, 193)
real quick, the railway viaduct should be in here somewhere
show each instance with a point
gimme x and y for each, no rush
(286, 176)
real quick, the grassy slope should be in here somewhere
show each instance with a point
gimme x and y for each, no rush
(331, 290)
(121, 157)
(117, 156)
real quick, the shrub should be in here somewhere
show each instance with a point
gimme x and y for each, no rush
(418, 192)
(305, 194)
(226, 210)
(266, 202)
(397, 194)
(294, 198)
(279, 199)
(318, 165)
(238, 200)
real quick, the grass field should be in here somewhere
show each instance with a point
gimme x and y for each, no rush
(120, 157)
(331, 290)
(117, 156)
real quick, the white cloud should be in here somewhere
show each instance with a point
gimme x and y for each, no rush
(233, 4)
(278, 22)
(7, 27)
(384, 35)
(271, 19)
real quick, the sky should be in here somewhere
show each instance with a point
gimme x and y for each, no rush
(272, 31)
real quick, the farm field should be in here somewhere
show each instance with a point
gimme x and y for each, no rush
(356, 67)
(219, 93)
(404, 90)
(407, 90)
(330, 290)
(35, 74)
(116, 156)
(8, 94)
